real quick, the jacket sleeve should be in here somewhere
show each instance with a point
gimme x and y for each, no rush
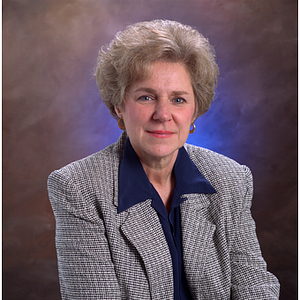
(85, 267)
(250, 278)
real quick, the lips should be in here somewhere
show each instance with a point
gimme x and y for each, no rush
(161, 133)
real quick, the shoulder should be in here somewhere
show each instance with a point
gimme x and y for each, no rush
(80, 185)
(221, 171)
(93, 167)
(209, 158)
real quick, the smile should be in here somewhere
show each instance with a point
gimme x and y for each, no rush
(161, 133)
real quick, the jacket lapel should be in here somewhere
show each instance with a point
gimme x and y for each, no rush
(143, 229)
(197, 233)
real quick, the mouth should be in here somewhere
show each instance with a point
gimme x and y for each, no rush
(161, 133)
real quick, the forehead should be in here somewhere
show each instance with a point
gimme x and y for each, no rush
(165, 75)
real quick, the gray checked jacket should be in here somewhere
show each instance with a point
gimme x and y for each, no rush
(103, 254)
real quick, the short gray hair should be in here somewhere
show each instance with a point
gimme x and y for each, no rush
(130, 53)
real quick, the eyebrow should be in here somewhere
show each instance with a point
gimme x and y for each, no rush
(153, 91)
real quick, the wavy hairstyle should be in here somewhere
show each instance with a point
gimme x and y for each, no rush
(128, 56)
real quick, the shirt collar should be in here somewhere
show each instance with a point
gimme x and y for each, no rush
(135, 187)
(188, 178)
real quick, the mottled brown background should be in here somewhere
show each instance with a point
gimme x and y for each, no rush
(52, 115)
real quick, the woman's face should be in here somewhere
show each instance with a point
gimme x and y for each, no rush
(159, 111)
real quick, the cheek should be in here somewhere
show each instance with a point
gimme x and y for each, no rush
(134, 117)
(139, 115)
(189, 118)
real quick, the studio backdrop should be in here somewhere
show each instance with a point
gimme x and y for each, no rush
(53, 115)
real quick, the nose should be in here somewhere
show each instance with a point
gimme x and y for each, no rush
(162, 111)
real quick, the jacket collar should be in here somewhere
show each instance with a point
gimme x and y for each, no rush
(143, 230)
(134, 186)
(197, 234)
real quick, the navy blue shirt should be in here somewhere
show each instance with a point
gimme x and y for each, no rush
(135, 187)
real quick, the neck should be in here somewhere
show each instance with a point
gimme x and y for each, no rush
(158, 169)
(160, 173)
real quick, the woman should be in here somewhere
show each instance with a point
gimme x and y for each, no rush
(151, 217)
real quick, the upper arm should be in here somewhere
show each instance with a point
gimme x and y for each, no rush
(250, 278)
(85, 267)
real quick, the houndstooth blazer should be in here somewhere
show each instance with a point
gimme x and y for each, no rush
(103, 254)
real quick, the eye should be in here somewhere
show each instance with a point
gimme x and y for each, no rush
(179, 100)
(145, 98)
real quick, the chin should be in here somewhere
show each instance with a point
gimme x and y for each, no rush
(160, 152)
